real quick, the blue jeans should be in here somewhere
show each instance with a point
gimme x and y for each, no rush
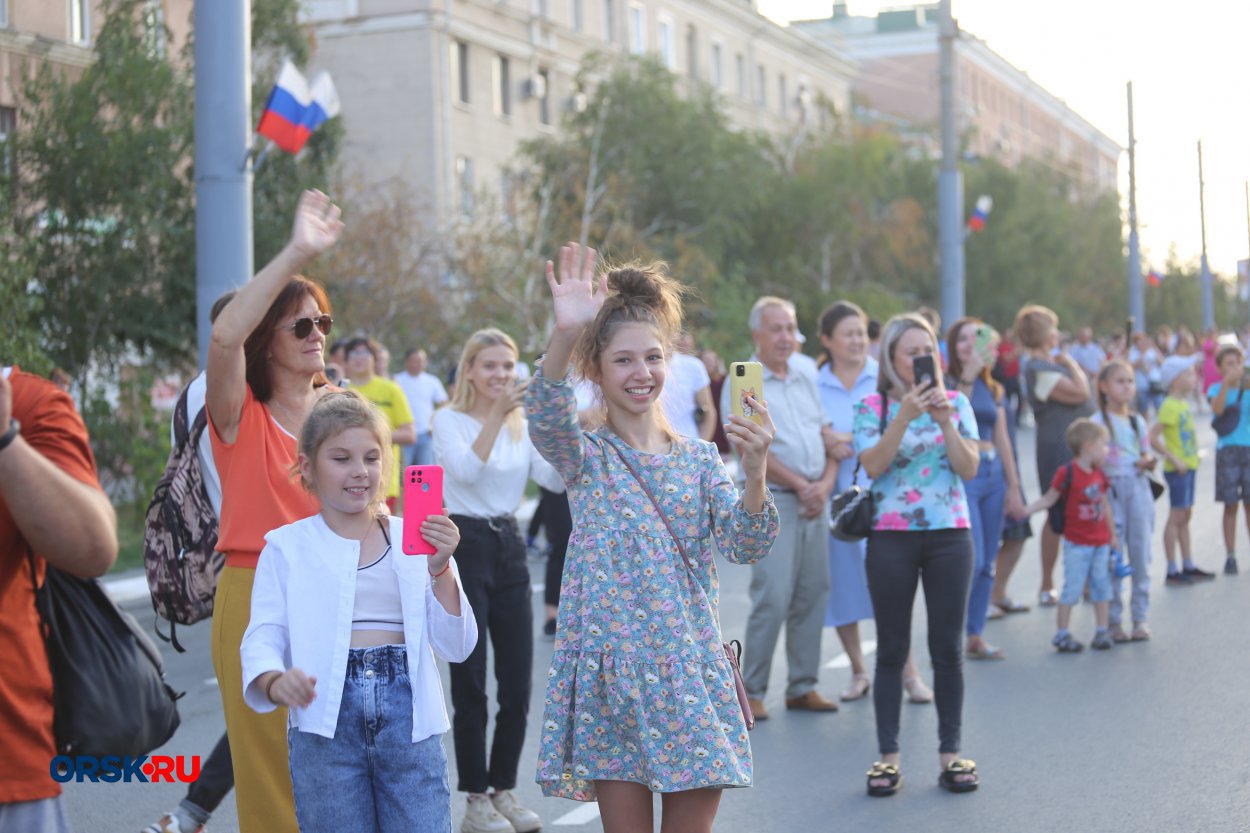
(371, 776)
(986, 494)
(420, 453)
(1082, 563)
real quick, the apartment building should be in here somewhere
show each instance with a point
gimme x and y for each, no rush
(1003, 112)
(35, 33)
(440, 92)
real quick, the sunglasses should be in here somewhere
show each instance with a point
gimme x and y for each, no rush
(303, 326)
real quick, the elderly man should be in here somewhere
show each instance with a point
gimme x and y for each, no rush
(51, 504)
(791, 586)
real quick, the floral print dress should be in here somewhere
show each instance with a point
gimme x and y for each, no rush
(639, 689)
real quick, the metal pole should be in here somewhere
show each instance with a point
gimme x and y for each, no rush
(1136, 292)
(1208, 302)
(1248, 237)
(223, 136)
(950, 180)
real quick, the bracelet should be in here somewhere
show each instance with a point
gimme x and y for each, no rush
(435, 576)
(9, 436)
(269, 688)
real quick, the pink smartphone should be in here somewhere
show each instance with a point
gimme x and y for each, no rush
(423, 496)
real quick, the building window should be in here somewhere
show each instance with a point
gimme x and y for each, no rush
(543, 94)
(8, 124)
(79, 21)
(460, 69)
(576, 15)
(740, 67)
(464, 183)
(637, 29)
(539, 7)
(783, 95)
(507, 197)
(718, 66)
(761, 86)
(664, 36)
(692, 52)
(4, 12)
(609, 21)
(153, 27)
(501, 82)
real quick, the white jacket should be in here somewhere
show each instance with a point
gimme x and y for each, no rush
(302, 603)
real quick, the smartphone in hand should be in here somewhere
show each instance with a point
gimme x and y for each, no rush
(746, 379)
(924, 370)
(423, 496)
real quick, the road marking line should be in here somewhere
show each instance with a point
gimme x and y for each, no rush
(869, 647)
(582, 815)
(212, 681)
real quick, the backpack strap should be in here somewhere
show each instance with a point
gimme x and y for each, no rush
(181, 424)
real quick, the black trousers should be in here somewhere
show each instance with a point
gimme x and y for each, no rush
(496, 580)
(216, 779)
(558, 521)
(897, 561)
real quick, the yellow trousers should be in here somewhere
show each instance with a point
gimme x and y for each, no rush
(262, 775)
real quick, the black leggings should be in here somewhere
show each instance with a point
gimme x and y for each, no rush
(558, 521)
(897, 561)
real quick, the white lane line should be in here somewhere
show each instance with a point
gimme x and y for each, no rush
(211, 681)
(582, 815)
(869, 647)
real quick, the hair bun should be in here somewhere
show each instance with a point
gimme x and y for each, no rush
(638, 284)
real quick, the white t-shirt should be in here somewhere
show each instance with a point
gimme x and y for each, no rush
(492, 488)
(685, 378)
(196, 393)
(424, 393)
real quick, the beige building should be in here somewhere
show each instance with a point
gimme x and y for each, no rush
(440, 92)
(34, 33)
(1003, 113)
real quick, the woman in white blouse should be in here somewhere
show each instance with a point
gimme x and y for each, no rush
(481, 441)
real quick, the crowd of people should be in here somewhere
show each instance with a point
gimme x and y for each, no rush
(324, 638)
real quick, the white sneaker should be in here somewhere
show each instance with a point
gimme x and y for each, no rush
(522, 819)
(480, 816)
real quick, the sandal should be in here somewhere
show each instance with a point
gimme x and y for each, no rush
(1008, 605)
(1117, 634)
(917, 690)
(881, 771)
(949, 777)
(860, 684)
(995, 612)
(1066, 644)
(1141, 632)
(986, 651)
(1047, 598)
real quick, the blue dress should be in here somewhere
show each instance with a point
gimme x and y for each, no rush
(848, 595)
(639, 688)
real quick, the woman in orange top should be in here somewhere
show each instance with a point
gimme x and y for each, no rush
(265, 373)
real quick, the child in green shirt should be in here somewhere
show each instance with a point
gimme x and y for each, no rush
(1173, 435)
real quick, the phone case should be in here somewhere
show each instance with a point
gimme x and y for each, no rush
(746, 379)
(423, 496)
(922, 367)
(984, 345)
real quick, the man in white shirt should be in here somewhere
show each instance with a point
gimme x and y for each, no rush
(790, 588)
(424, 393)
(1087, 352)
(687, 394)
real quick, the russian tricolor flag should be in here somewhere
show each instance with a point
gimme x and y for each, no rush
(1154, 278)
(295, 109)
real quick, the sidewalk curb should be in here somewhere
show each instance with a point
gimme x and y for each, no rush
(132, 585)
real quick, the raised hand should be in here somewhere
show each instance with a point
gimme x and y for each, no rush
(573, 294)
(318, 223)
(752, 441)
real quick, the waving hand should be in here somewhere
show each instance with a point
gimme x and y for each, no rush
(573, 293)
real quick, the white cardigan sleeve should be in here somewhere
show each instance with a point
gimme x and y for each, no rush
(453, 638)
(266, 643)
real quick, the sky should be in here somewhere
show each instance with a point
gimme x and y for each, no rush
(1190, 67)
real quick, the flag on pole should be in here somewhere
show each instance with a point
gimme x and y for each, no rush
(295, 109)
(981, 213)
(1154, 278)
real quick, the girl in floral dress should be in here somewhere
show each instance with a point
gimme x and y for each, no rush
(640, 697)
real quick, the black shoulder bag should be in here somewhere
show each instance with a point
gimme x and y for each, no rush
(109, 693)
(851, 513)
(1226, 423)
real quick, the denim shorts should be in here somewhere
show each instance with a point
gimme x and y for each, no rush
(1081, 563)
(370, 775)
(1181, 488)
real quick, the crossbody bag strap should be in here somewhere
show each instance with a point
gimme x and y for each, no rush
(647, 491)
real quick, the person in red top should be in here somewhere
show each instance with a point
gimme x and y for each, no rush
(51, 504)
(1089, 533)
(1007, 372)
(265, 372)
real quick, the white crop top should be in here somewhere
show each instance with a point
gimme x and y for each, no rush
(377, 606)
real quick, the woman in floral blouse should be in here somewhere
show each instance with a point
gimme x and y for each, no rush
(918, 453)
(640, 696)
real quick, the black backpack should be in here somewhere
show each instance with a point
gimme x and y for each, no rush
(180, 534)
(109, 693)
(1055, 516)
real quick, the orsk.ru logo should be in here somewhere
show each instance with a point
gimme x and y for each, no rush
(114, 768)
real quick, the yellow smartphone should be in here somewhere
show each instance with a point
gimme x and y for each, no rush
(746, 379)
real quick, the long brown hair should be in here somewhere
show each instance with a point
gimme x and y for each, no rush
(256, 348)
(834, 315)
(955, 367)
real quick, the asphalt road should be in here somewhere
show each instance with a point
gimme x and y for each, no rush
(1146, 737)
